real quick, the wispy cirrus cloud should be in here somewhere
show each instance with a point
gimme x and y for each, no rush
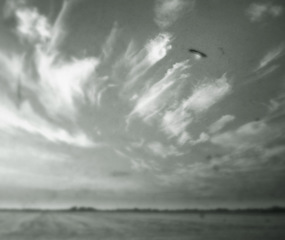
(157, 97)
(276, 109)
(58, 83)
(139, 62)
(176, 120)
(15, 121)
(59, 29)
(168, 11)
(110, 42)
(258, 11)
(62, 83)
(249, 135)
(162, 150)
(221, 123)
(271, 56)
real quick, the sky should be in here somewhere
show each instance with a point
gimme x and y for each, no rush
(102, 104)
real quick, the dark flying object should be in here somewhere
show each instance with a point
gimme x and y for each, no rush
(197, 53)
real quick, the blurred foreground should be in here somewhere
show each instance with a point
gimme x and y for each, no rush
(45, 225)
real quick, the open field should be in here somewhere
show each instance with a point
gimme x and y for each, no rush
(21, 225)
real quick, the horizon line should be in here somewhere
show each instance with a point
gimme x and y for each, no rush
(134, 209)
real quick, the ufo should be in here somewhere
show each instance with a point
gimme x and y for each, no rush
(197, 54)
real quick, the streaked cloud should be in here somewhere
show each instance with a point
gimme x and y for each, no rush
(140, 62)
(220, 123)
(205, 95)
(59, 28)
(258, 11)
(13, 121)
(62, 83)
(110, 42)
(157, 97)
(58, 83)
(175, 121)
(162, 150)
(276, 109)
(247, 136)
(168, 11)
(271, 56)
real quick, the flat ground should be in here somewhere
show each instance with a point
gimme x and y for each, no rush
(17, 225)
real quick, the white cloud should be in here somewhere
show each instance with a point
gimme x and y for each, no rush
(161, 150)
(175, 122)
(205, 95)
(247, 136)
(271, 56)
(168, 11)
(203, 137)
(14, 120)
(220, 123)
(31, 25)
(58, 83)
(157, 97)
(139, 62)
(61, 83)
(258, 11)
(110, 42)
(158, 47)
(59, 29)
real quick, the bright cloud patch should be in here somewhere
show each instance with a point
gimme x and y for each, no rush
(168, 11)
(140, 62)
(13, 121)
(258, 11)
(157, 97)
(61, 82)
(247, 136)
(32, 25)
(158, 47)
(175, 122)
(221, 123)
(271, 56)
(58, 83)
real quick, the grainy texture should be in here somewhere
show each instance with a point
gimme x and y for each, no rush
(137, 226)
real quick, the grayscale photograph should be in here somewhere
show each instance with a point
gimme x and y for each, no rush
(142, 119)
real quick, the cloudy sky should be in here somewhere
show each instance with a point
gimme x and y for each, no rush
(102, 104)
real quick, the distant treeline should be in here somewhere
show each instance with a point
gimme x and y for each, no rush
(274, 209)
